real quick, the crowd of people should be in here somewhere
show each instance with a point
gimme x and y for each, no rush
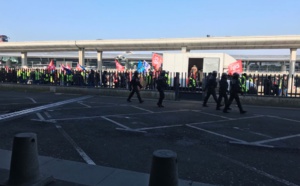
(134, 81)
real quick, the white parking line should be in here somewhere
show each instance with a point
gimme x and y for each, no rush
(86, 158)
(87, 106)
(215, 133)
(257, 133)
(216, 115)
(142, 109)
(47, 114)
(287, 119)
(119, 124)
(276, 139)
(256, 170)
(27, 111)
(40, 116)
(158, 127)
(32, 99)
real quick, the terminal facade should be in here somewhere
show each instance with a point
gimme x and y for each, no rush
(173, 62)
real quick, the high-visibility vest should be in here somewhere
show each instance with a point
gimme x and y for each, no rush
(24, 75)
(243, 83)
(46, 77)
(192, 82)
(37, 75)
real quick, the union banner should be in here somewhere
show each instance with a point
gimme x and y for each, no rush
(235, 67)
(157, 60)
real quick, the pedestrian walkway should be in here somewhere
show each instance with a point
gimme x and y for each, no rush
(70, 173)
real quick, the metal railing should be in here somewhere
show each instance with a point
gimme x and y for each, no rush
(256, 84)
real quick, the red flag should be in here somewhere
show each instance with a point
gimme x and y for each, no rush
(119, 67)
(51, 65)
(68, 67)
(235, 67)
(157, 60)
(78, 68)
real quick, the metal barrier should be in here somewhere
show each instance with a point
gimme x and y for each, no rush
(256, 84)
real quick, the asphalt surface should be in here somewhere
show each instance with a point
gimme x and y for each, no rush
(260, 147)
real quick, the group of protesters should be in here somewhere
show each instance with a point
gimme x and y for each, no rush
(91, 78)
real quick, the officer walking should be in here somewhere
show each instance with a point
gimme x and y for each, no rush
(235, 89)
(211, 88)
(161, 85)
(223, 89)
(134, 87)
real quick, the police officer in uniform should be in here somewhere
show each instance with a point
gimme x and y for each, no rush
(134, 87)
(235, 89)
(211, 88)
(223, 89)
(161, 85)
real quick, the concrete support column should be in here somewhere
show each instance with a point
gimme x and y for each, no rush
(283, 67)
(184, 50)
(8, 63)
(293, 57)
(99, 60)
(81, 56)
(24, 58)
(88, 63)
(99, 64)
(247, 66)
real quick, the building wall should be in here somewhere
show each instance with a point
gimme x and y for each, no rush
(178, 62)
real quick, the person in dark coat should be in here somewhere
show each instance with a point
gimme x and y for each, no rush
(267, 86)
(104, 79)
(161, 85)
(134, 87)
(223, 89)
(211, 88)
(235, 89)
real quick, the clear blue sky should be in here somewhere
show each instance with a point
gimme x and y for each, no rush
(38, 20)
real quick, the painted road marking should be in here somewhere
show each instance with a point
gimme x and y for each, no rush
(257, 133)
(40, 116)
(32, 99)
(86, 158)
(212, 114)
(142, 109)
(47, 114)
(276, 139)
(284, 118)
(215, 133)
(113, 115)
(114, 122)
(27, 111)
(87, 106)
(256, 170)
(158, 127)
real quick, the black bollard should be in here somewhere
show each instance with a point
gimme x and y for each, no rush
(24, 166)
(164, 168)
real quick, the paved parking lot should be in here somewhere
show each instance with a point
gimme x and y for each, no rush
(260, 147)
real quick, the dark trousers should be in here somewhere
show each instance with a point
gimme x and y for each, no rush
(161, 97)
(231, 98)
(135, 90)
(222, 95)
(210, 92)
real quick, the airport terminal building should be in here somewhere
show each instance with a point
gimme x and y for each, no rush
(173, 62)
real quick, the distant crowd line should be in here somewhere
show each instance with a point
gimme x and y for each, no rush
(251, 84)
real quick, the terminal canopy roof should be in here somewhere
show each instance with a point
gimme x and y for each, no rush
(207, 43)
